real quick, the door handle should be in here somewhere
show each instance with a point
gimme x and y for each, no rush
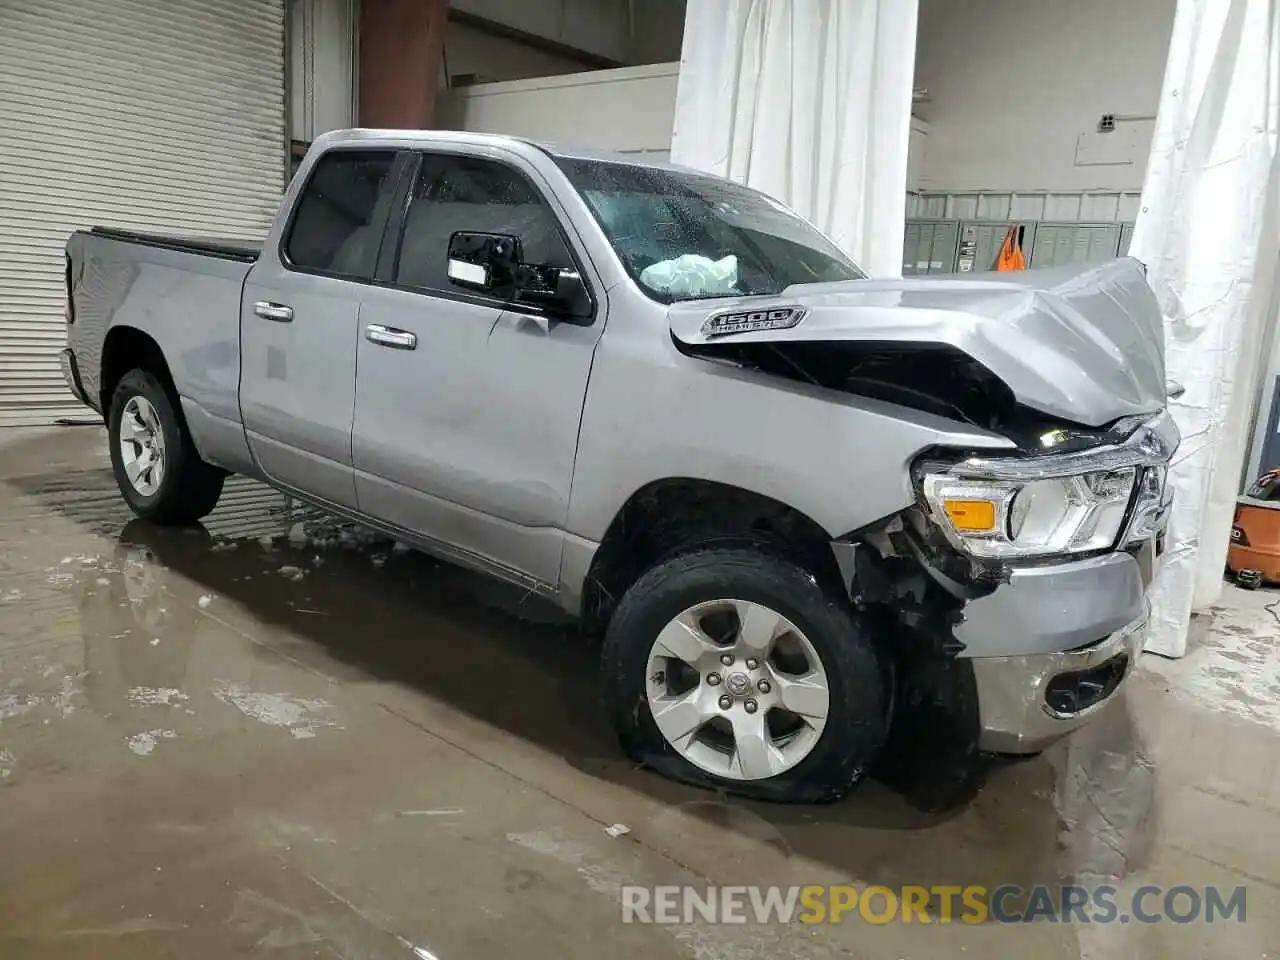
(273, 311)
(391, 337)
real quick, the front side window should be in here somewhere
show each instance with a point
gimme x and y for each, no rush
(456, 193)
(335, 229)
(683, 236)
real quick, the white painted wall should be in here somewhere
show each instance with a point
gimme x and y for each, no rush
(632, 108)
(321, 66)
(917, 150)
(1016, 84)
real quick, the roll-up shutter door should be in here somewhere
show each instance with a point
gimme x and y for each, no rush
(165, 117)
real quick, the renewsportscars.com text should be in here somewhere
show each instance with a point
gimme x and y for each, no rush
(932, 904)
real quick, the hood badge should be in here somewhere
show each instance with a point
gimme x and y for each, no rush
(751, 321)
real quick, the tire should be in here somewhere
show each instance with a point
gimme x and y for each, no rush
(187, 488)
(856, 715)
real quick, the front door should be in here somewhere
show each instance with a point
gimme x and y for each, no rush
(299, 325)
(467, 407)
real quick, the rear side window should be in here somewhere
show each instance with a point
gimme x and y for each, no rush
(467, 193)
(337, 227)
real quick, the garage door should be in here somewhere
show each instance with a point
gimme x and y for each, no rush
(137, 114)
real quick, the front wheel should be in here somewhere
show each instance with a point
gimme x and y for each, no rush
(732, 667)
(156, 465)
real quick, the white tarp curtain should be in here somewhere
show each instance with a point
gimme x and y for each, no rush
(1209, 231)
(809, 101)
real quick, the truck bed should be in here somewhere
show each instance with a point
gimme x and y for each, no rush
(245, 251)
(182, 293)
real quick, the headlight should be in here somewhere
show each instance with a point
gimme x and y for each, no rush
(1151, 511)
(1056, 504)
(1004, 519)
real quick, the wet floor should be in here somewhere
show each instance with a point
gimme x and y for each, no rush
(284, 736)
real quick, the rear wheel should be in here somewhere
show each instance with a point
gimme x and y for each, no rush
(732, 667)
(156, 465)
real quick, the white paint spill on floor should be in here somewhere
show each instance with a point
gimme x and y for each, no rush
(15, 705)
(65, 699)
(1235, 668)
(156, 696)
(143, 743)
(204, 601)
(292, 573)
(299, 716)
(84, 559)
(7, 763)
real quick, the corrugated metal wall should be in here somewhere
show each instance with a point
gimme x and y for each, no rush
(151, 116)
(1088, 207)
(1060, 228)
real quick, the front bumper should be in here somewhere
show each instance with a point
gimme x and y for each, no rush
(1027, 702)
(1054, 643)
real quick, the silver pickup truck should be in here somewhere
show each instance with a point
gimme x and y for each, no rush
(809, 511)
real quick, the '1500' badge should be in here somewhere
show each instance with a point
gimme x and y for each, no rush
(775, 318)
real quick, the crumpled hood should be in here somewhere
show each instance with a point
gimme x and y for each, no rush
(1084, 344)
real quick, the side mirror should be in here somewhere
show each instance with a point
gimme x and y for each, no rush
(484, 261)
(494, 263)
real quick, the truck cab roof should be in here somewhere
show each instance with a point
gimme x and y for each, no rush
(423, 138)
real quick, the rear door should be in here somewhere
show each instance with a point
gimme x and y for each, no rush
(299, 324)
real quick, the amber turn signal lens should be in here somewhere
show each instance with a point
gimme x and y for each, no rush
(971, 516)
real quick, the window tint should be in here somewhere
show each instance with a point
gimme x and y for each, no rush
(335, 229)
(465, 193)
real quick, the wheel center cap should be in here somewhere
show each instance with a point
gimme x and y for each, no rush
(737, 683)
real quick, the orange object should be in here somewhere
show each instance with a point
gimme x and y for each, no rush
(971, 516)
(1255, 532)
(1011, 257)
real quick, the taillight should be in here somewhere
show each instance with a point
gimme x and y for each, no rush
(69, 307)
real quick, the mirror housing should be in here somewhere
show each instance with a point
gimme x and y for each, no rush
(493, 263)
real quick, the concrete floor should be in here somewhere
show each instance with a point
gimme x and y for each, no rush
(287, 738)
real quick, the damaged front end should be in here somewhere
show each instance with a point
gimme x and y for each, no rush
(1014, 591)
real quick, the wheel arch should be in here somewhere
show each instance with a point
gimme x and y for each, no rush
(668, 515)
(128, 348)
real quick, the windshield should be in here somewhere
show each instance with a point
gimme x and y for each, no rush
(683, 236)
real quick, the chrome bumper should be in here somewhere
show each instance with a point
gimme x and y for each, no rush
(1015, 693)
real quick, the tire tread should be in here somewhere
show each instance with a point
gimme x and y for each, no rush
(190, 488)
(856, 727)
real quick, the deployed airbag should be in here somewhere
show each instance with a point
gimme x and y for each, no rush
(693, 275)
